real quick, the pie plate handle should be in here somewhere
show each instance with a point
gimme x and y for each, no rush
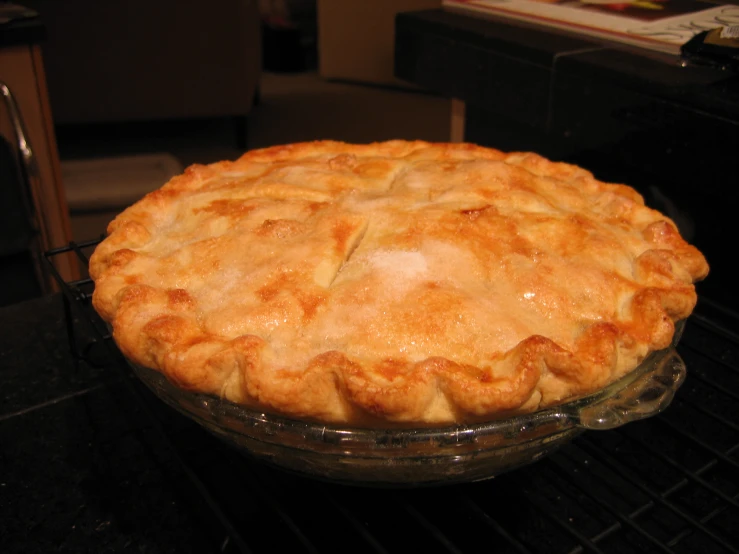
(648, 395)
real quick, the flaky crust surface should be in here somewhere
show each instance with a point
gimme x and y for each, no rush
(401, 282)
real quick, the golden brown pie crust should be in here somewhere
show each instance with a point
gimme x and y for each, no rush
(401, 282)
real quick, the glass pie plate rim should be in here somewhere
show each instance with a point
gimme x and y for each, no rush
(401, 456)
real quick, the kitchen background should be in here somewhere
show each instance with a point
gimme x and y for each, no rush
(138, 90)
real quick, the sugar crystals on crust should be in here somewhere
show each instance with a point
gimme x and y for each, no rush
(404, 282)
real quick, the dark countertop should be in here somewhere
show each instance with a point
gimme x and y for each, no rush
(79, 470)
(84, 467)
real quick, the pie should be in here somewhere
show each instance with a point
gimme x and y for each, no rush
(399, 283)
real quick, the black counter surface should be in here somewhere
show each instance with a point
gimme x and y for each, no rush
(81, 470)
(90, 461)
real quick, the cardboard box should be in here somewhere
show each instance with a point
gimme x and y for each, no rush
(356, 38)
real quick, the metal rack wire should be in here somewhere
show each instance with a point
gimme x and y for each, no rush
(667, 484)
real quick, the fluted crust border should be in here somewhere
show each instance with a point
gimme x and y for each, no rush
(157, 328)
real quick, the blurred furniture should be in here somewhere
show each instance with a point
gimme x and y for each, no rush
(356, 39)
(127, 60)
(34, 209)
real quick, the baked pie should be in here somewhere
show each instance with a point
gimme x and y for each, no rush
(397, 283)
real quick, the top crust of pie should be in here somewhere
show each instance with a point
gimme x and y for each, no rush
(401, 282)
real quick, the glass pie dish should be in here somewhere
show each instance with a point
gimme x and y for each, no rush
(427, 456)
